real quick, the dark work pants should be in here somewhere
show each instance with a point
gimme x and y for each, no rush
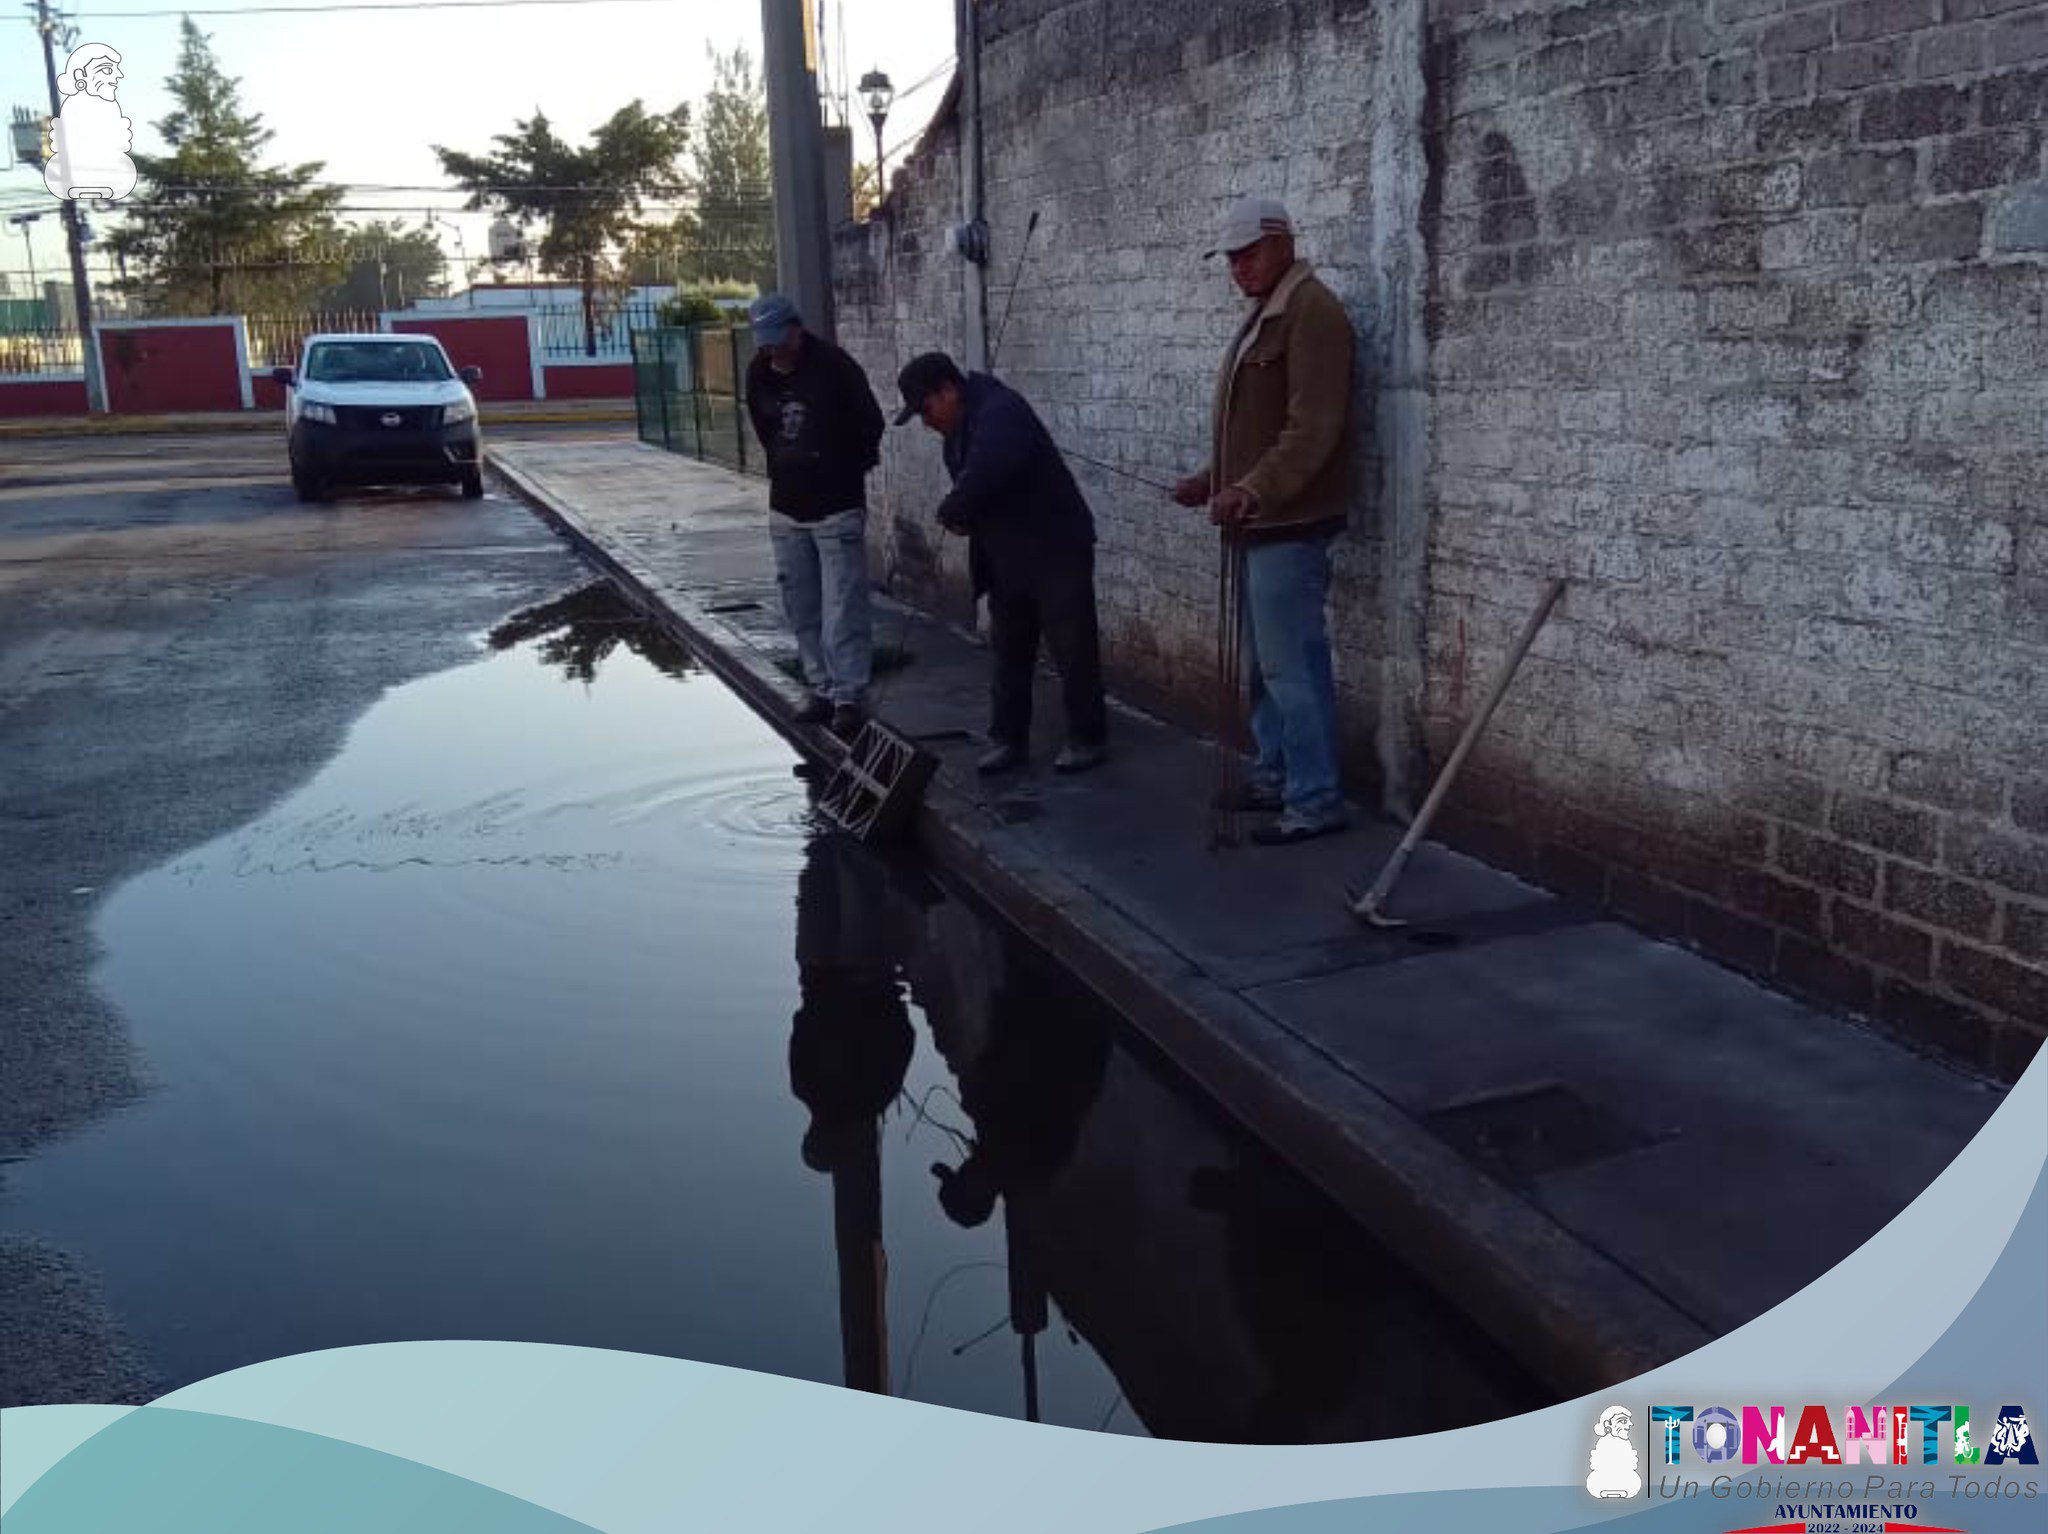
(1060, 609)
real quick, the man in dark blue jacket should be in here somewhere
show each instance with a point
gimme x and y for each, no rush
(1031, 549)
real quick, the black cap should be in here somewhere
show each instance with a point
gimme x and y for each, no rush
(923, 375)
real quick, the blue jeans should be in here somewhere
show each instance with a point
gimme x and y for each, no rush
(822, 569)
(1294, 696)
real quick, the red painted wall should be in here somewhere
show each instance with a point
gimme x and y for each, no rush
(172, 367)
(268, 392)
(20, 398)
(494, 342)
(604, 380)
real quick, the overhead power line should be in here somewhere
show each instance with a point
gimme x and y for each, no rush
(348, 5)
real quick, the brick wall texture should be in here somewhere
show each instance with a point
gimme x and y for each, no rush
(1735, 313)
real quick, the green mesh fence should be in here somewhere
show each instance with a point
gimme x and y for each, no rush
(688, 392)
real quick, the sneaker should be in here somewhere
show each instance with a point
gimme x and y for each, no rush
(816, 710)
(847, 718)
(1291, 828)
(1002, 757)
(1080, 758)
(1248, 798)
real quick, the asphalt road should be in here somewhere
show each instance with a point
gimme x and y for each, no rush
(181, 644)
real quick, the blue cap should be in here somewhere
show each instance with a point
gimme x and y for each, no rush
(773, 316)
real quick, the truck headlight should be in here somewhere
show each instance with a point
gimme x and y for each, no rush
(455, 414)
(313, 410)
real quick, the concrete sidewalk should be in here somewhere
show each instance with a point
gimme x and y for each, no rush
(533, 412)
(1606, 1149)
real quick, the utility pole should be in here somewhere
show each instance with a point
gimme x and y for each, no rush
(81, 287)
(971, 236)
(796, 146)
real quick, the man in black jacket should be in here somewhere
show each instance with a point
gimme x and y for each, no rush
(821, 430)
(1031, 549)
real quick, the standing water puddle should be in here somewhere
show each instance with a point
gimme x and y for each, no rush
(545, 1012)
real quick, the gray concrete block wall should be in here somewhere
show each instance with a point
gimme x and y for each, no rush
(1737, 319)
(1734, 316)
(897, 291)
(1129, 130)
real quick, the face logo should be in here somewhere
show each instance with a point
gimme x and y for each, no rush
(390, 418)
(1616, 1467)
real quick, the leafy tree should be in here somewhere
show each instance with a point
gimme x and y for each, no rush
(735, 223)
(589, 199)
(211, 229)
(661, 253)
(695, 307)
(389, 266)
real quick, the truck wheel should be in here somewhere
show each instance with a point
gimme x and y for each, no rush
(308, 487)
(473, 485)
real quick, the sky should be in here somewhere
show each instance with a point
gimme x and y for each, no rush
(369, 93)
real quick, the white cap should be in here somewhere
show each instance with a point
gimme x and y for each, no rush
(1250, 220)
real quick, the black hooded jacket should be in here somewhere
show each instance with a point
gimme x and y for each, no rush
(820, 428)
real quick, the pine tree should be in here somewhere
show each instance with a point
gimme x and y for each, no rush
(211, 229)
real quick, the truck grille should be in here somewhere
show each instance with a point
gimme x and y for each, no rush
(371, 417)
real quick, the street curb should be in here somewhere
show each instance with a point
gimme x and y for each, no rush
(260, 420)
(1575, 1317)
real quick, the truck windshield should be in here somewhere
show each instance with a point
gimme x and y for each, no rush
(376, 362)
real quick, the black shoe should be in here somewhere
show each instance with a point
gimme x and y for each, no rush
(1002, 757)
(847, 718)
(1248, 799)
(1076, 758)
(1289, 829)
(816, 710)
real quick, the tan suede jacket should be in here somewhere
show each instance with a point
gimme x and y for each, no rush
(1281, 401)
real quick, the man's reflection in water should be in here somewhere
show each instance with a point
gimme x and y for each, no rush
(1305, 1290)
(849, 1047)
(1028, 1092)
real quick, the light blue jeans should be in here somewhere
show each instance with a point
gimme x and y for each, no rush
(1293, 693)
(822, 569)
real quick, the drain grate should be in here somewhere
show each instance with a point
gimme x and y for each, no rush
(1523, 1135)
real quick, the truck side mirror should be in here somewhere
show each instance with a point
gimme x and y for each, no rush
(471, 375)
(283, 376)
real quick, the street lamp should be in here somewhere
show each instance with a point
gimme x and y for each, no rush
(877, 93)
(21, 221)
(461, 253)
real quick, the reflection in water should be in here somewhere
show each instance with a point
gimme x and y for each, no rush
(578, 630)
(849, 1046)
(492, 1029)
(1232, 1301)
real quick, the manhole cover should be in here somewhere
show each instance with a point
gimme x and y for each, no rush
(1521, 1136)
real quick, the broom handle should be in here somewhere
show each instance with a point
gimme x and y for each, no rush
(1419, 826)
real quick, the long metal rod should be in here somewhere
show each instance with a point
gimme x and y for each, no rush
(1367, 906)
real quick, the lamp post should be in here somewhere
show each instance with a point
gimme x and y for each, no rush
(21, 221)
(877, 93)
(461, 253)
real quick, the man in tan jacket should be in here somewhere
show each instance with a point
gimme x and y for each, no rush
(1275, 484)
